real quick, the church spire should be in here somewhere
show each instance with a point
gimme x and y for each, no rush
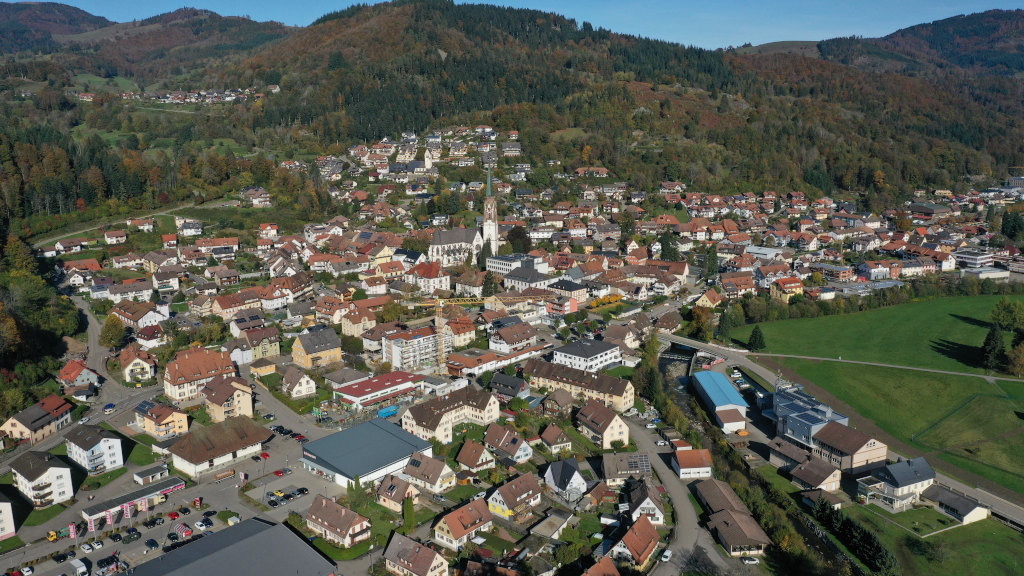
(490, 192)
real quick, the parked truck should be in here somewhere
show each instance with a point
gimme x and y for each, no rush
(55, 535)
(79, 567)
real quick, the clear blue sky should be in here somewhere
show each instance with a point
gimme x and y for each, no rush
(705, 23)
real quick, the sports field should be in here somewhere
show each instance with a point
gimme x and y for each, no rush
(944, 334)
(966, 420)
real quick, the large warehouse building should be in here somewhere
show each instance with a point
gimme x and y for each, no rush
(723, 399)
(370, 450)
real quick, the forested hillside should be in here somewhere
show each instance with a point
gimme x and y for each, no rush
(647, 110)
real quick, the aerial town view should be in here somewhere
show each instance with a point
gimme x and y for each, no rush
(425, 288)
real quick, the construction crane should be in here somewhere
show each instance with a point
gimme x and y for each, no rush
(438, 305)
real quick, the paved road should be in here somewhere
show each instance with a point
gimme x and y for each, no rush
(689, 537)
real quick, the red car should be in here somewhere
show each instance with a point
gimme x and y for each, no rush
(278, 473)
(173, 515)
(264, 455)
(300, 437)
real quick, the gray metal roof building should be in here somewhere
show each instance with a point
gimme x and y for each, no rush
(254, 546)
(370, 450)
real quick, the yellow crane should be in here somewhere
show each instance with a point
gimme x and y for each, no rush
(438, 305)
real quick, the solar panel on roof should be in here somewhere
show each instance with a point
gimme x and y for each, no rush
(145, 406)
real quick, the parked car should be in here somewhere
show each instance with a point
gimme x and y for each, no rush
(286, 470)
(439, 498)
(273, 503)
(152, 544)
(172, 516)
(184, 510)
(256, 459)
(115, 537)
(269, 416)
(172, 537)
(97, 545)
(666, 556)
(750, 560)
(209, 513)
(85, 547)
(651, 425)
(279, 473)
(264, 455)
(303, 490)
(60, 558)
(158, 521)
(661, 443)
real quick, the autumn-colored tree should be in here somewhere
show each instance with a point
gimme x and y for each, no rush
(1015, 362)
(18, 255)
(113, 332)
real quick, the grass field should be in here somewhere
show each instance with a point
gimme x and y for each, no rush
(975, 424)
(985, 547)
(942, 334)
(8, 544)
(40, 517)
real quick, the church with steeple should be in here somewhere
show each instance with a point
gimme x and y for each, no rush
(490, 231)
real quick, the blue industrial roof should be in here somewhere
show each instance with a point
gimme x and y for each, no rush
(718, 389)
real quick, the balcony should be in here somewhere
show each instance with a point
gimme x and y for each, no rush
(41, 486)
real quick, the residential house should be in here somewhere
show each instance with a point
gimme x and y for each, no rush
(42, 478)
(507, 387)
(407, 557)
(637, 545)
(316, 348)
(76, 374)
(336, 524)
(899, 485)
(644, 500)
(207, 449)
(784, 289)
(558, 403)
(39, 421)
(137, 365)
(297, 384)
(160, 421)
(227, 397)
(730, 520)
(429, 473)
(514, 500)
(392, 492)
(507, 444)
(564, 478)
(463, 524)
(816, 474)
(474, 456)
(186, 375)
(513, 338)
(689, 464)
(555, 439)
(619, 467)
(709, 299)
(137, 315)
(357, 322)
(616, 393)
(95, 449)
(437, 417)
(602, 425)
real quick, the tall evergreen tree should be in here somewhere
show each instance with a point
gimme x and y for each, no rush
(756, 341)
(993, 350)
